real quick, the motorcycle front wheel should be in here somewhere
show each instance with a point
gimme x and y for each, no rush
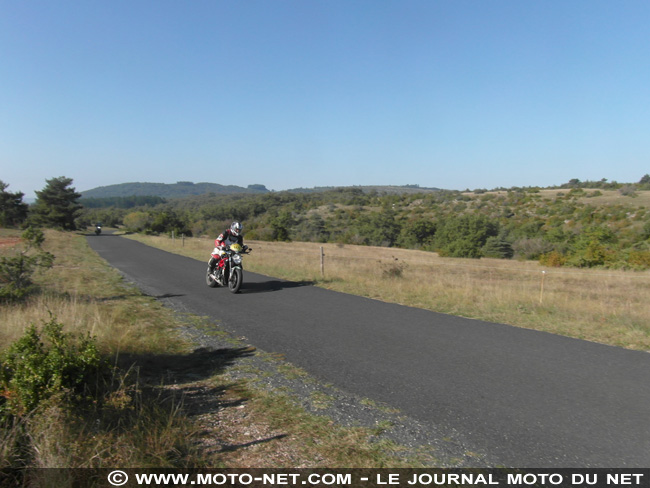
(209, 280)
(234, 284)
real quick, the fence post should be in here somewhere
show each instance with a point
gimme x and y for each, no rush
(322, 262)
(541, 288)
(183, 239)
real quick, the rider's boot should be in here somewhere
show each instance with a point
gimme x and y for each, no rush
(211, 264)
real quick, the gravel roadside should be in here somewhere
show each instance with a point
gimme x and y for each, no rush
(271, 373)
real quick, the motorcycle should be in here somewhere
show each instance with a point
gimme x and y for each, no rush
(229, 270)
(98, 229)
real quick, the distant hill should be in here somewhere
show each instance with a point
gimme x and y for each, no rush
(187, 188)
(175, 190)
(383, 190)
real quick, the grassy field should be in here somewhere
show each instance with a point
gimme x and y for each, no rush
(591, 196)
(154, 414)
(609, 307)
(168, 404)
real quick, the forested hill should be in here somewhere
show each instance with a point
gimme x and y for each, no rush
(584, 224)
(176, 190)
(187, 189)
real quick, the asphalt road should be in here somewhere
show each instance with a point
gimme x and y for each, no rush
(528, 399)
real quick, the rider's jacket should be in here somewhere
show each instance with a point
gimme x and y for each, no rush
(227, 238)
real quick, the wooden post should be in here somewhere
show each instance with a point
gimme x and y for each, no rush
(183, 239)
(322, 262)
(541, 288)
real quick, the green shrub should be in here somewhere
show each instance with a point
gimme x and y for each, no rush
(645, 233)
(464, 236)
(417, 233)
(639, 259)
(32, 370)
(594, 254)
(16, 271)
(593, 247)
(378, 229)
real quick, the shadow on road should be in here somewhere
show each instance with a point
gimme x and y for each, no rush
(174, 368)
(274, 285)
(166, 295)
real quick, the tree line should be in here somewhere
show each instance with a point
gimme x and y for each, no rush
(57, 205)
(567, 229)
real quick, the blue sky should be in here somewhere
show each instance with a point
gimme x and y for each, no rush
(300, 93)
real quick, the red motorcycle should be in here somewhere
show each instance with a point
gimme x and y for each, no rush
(229, 270)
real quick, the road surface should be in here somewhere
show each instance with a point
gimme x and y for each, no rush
(530, 399)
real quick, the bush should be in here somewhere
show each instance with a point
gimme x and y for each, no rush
(137, 221)
(531, 248)
(553, 258)
(593, 247)
(31, 370)
(645, 233)
(628, 191)
(16, 272)
(378, 229)
(394, 269)
(639, 259)
(417, 234)
(594, 254)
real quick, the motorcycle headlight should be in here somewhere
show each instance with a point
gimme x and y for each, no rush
(236, 259)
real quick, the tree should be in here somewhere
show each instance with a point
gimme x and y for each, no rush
(136, 221)
(593, 247)
(644, 182)
(465, 236)
(281, 225)
(417, 233)
(498, 247)
(56, 205)
(12, 209)
(168, 221)
(379, 228)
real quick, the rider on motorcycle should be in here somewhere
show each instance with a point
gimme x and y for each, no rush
(226, 238)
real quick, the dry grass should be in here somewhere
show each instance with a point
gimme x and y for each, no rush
(606, 197)
(136, 424)
(614, 197)
(168, 407)
(610, 307)
(88, 297)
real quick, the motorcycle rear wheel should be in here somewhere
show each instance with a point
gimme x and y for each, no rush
(234, 284)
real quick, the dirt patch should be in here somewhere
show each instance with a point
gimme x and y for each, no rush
(9, 242)
(228, 430)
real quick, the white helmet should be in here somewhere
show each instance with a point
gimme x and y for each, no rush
(236, 228)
